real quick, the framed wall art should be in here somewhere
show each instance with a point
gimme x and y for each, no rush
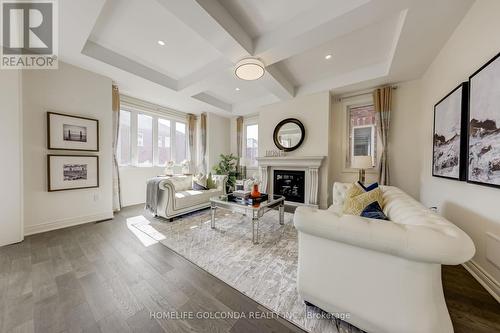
(72, 172)
(68, 132)
(484, 125)
(450, 135)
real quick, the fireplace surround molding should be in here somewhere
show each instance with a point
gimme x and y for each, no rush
(309, 164)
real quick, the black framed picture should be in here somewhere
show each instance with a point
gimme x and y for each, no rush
(484, 125)
(72, 172)
(69, 132)
(449, 153)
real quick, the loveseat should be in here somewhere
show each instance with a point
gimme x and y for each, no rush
(382, 276)
(177, 197)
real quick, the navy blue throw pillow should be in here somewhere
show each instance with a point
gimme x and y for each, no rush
(369, 187)
(374, 211)
(199, 187)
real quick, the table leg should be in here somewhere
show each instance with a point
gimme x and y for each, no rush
(255, 230)
(282, 213)
(213, 208)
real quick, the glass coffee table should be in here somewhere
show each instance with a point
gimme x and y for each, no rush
(255, 211)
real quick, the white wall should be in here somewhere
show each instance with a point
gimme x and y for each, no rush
(406, 127)
(314, 112)
(74, 91)
(11, 217)
(473, 208)
(133, 183)
(218, 136)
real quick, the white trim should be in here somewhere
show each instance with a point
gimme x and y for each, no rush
(21, 155)
(358, 100)
(486, 280)
(140, 105)
(64, 223)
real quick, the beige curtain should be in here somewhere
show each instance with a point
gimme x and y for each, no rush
(191, 120)
(382, 99)
(117, 198)
(203, 144)
(239, 138)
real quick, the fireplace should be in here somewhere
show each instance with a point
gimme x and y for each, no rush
(290, 184)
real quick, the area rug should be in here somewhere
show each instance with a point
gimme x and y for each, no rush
(266, 272)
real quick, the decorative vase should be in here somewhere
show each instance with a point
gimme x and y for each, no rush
(255, 191)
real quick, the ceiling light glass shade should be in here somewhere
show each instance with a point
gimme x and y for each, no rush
(250, 69)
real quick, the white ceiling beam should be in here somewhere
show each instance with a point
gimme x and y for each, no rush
(112, 58)
(210, 20)
(214, 101)
(317, 27)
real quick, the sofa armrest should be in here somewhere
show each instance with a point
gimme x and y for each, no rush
(439, 243)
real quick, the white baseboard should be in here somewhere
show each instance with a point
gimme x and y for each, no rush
(485, 279)
(64, 223)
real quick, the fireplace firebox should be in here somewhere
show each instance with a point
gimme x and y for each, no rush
(290, 184)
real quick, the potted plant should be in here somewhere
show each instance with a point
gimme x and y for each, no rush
(227, 166)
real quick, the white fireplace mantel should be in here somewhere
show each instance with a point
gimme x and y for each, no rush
(310, 164)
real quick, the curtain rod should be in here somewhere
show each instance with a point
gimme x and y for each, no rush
(362, 94)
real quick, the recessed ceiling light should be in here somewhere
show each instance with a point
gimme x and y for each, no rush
(328, 57)
(237, 89)
(162, 43)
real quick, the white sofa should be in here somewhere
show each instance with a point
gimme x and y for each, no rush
(384, 275)
(177, 197)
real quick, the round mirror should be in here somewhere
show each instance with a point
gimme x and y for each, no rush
(289, 134)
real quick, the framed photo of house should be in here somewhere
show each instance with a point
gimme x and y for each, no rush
(72, 172)
(484, 125)
(68, 132)
(449, 153)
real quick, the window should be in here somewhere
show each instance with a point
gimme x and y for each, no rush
(147, 140)
(251, 144)
(164, 151)
(362, 129)
(144, 140)
(180, 142)
(123, 149)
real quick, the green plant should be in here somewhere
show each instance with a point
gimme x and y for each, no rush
(227, 166)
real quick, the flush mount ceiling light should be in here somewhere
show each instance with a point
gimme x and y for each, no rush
(250, 69)
(237, 89)
(328, 57)
(162, 43)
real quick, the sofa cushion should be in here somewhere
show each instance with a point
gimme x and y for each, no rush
(182, 183)
(374, 211)
(200, 182)
(356, 199)
(189, 198)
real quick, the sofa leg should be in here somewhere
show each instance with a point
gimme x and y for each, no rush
(309, 304)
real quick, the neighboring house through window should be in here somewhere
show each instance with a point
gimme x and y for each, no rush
(251, 150)
(362, 132)
(149, 139)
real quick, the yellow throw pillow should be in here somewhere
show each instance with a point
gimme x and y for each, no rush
(357, 199)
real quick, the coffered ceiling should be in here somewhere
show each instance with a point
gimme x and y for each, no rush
(307, 46)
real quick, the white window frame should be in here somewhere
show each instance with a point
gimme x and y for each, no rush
(249, 122)
(373, 136)
(347, 105)
(134, 112)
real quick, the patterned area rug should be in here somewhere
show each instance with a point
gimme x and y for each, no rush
(266, 272)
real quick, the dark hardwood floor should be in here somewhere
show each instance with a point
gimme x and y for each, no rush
(99, 277)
